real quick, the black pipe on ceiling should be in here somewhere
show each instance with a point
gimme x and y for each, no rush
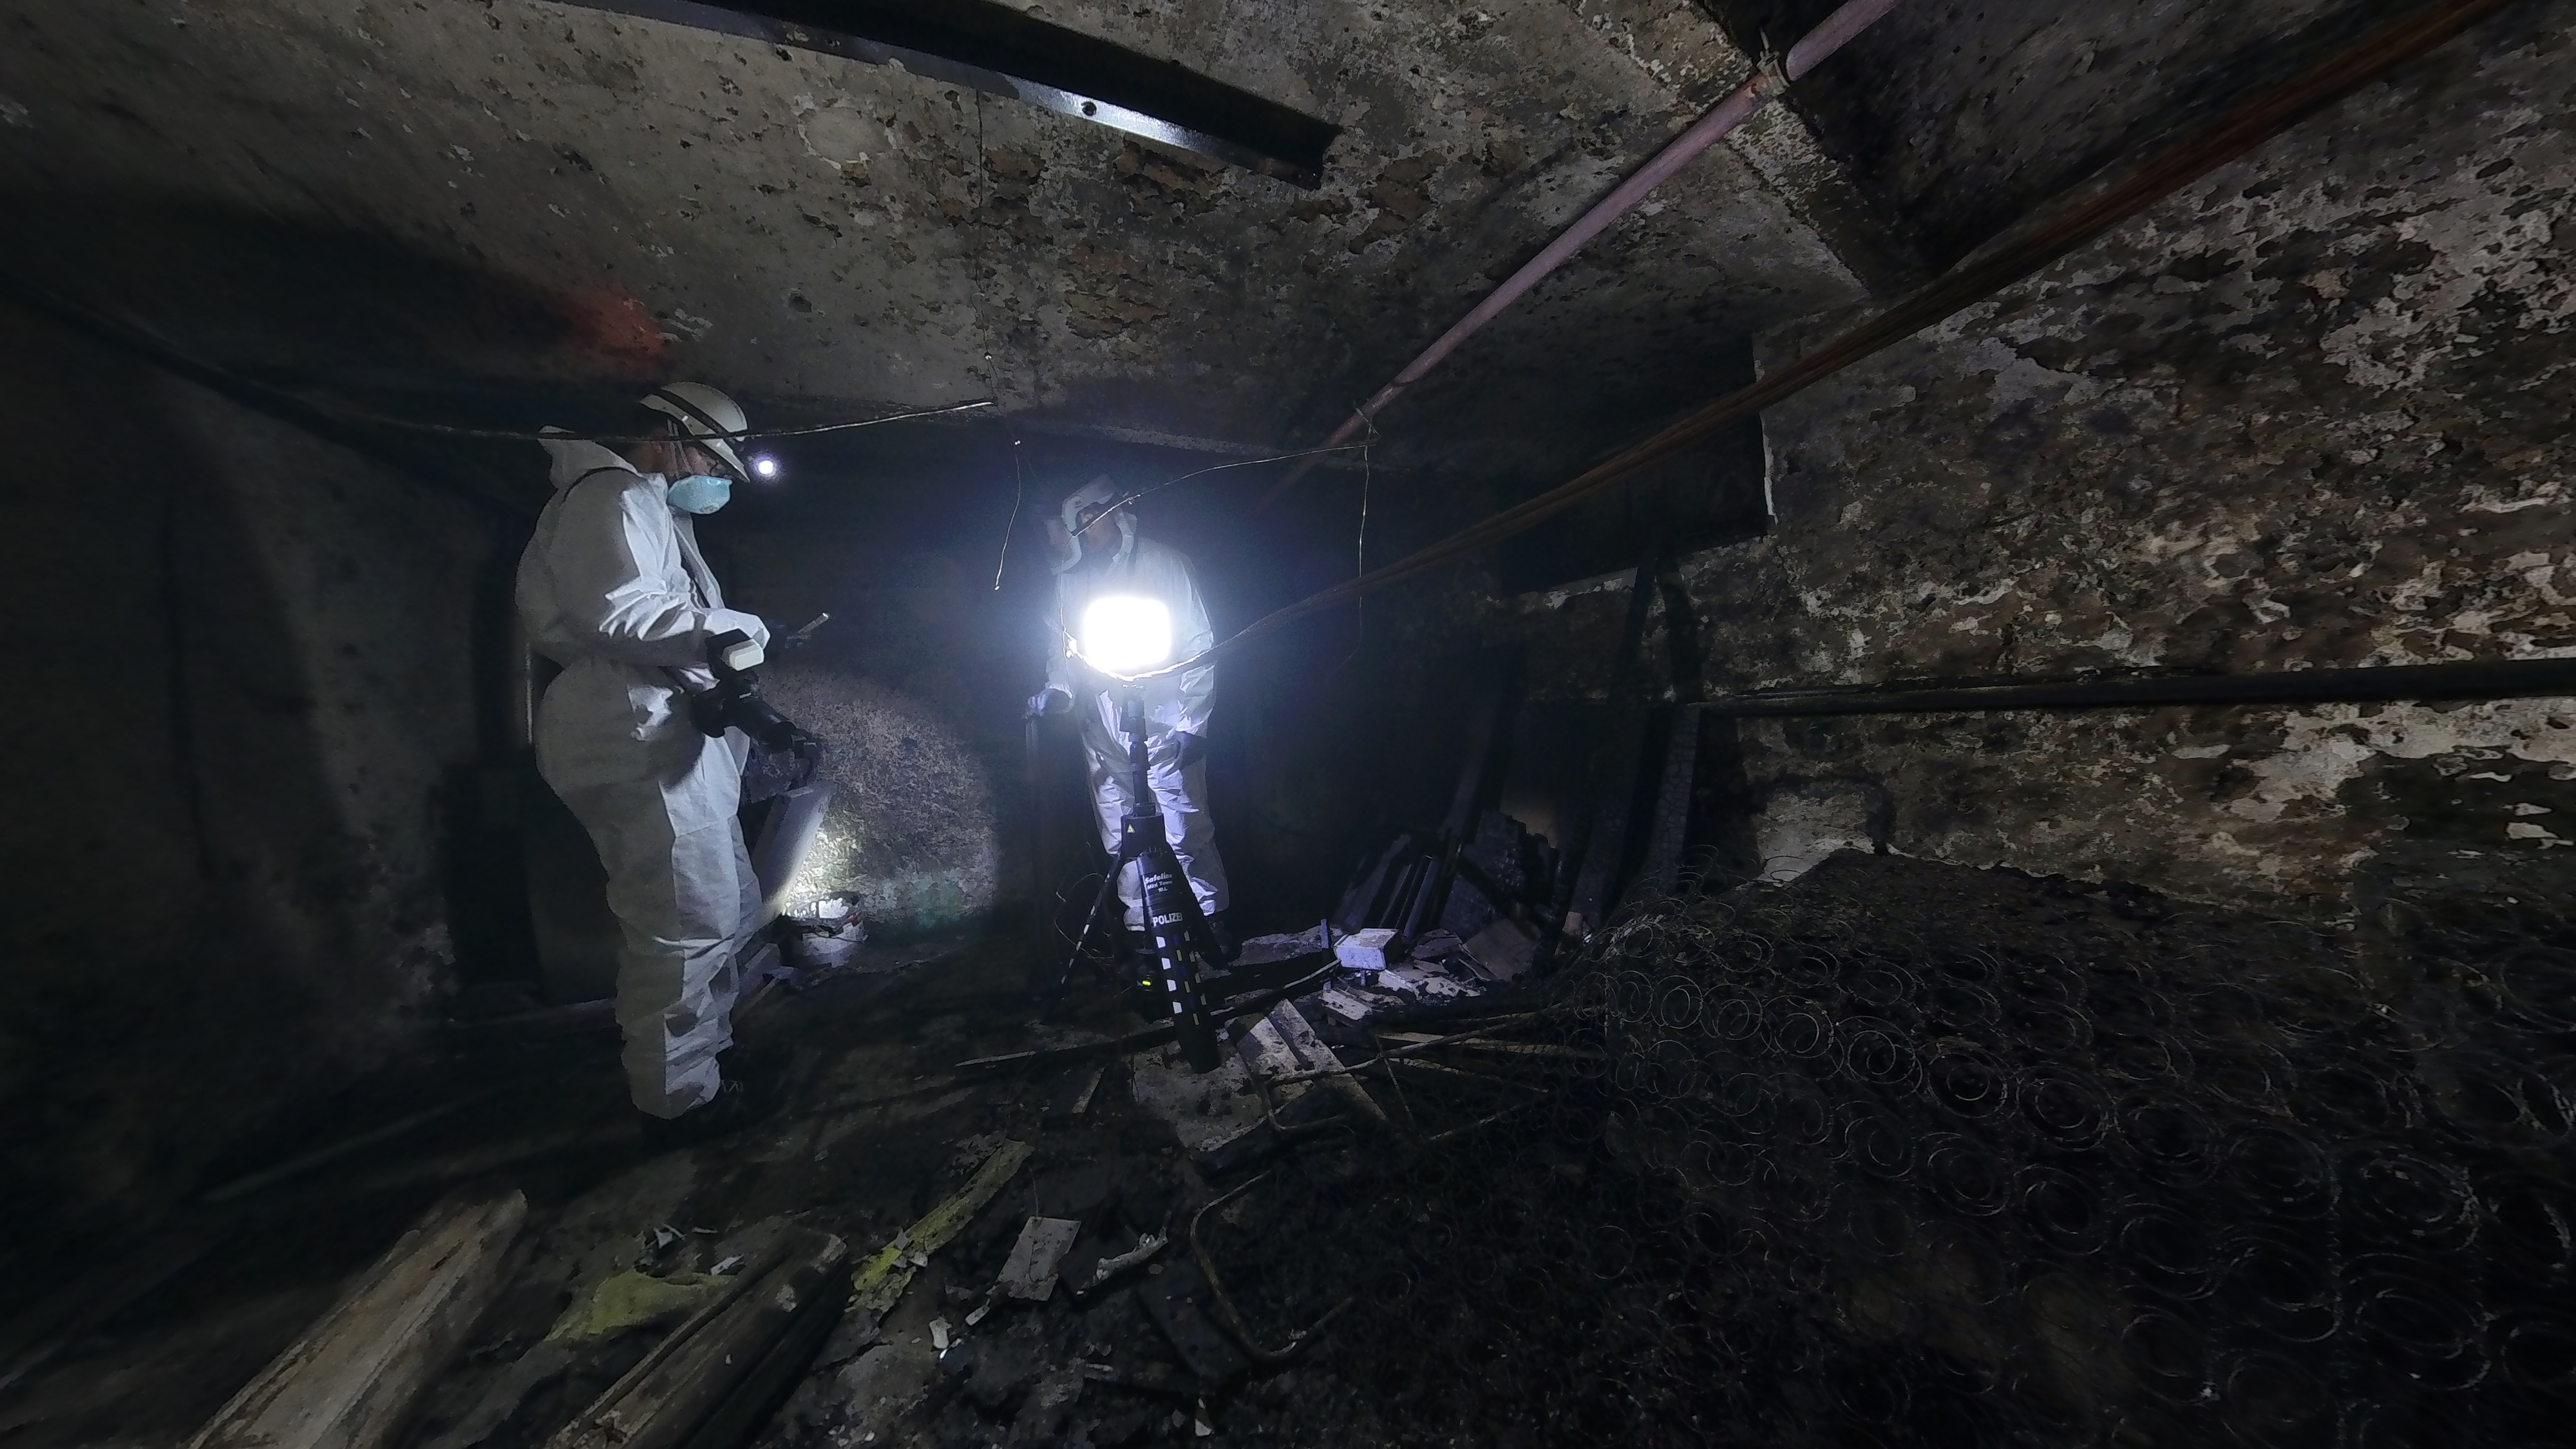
(2389, 684)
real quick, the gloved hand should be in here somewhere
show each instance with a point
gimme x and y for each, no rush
(1188, 749)
(1050, 700)
(719, 620)
(769, 772)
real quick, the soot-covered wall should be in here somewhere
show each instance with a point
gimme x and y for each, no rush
(2311, 412)
(243, 665)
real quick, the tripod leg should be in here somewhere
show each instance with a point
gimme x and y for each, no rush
(1194, 921)
(1172, 914)
(1101, 905)
(1035, 789)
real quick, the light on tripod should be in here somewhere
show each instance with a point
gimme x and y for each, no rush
(1124, 633)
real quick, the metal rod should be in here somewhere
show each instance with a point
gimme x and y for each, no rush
(1152, 1036)
(1001, 50)
(1739, 106)
(1414, 1049)
(1472, 1126)
(2500, 679)
(1411, 1065)
(2168, 171)
(1603, 764)
(1266, 1357)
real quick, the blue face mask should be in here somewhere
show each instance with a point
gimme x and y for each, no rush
(701, 493)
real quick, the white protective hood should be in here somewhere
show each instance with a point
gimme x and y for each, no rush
(614, 589)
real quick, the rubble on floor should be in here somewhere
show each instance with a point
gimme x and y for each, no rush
(1898, 1153)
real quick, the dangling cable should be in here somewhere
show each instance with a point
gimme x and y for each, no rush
(1019, 494)
(1368, 474)
(1128, 498)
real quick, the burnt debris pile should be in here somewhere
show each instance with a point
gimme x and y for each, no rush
(1913, 1154)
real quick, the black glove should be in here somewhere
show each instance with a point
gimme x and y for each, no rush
(769, 772)
(1188, 749)
(1050, 700)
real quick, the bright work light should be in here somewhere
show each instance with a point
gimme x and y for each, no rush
(1123, 634)
(764, 467)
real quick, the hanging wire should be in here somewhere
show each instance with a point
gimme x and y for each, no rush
(1368, 474)
(353, 414)
(1019, 494)
(1123, 501)
(1359, 635)
(168, 353)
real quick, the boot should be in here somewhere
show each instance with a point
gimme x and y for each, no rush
(751, 1092)
(1228, 945)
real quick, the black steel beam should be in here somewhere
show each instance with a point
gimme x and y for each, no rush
(2500, 679)
(997, 50)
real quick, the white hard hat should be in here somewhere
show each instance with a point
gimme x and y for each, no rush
(1097, 494)
(705, 415)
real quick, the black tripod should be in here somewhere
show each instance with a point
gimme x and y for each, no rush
(1172, 916)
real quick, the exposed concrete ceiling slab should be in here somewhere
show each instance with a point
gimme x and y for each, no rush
(990, 47)
(1957, 117)
(609, 198)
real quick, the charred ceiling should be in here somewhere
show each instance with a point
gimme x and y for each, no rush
(1956, 119)
(482, 205)
(640, 198)
(1000, 51)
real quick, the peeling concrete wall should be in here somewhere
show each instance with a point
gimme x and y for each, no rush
(2311, 413)
(244, 669)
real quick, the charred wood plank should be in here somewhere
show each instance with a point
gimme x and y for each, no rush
(351, 1381)
(717, 1377)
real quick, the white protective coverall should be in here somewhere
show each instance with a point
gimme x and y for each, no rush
(1174, 704)
(613, 588)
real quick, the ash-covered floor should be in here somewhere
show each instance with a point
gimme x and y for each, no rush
(871, 1123)
(1899, 1153)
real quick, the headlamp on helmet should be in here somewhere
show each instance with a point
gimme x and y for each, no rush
(705, 419)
